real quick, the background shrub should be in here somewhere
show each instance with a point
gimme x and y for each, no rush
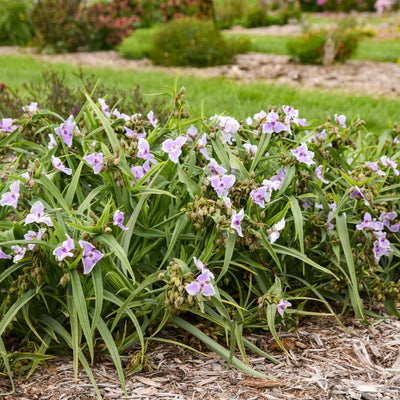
(138, 45)
(333, 5)
(320, 46)
(15, 22)
(60, 25)
(190, 41)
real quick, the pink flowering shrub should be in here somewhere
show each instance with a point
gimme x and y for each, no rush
(117, 222)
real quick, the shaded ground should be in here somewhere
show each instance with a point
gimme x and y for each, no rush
(329, 362)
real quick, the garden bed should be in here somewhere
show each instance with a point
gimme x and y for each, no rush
(329, 362)
(363, 77)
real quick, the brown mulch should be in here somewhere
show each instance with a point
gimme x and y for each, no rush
(328, 362)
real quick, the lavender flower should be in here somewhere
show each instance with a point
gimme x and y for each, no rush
(11, 198)
(251, 149)
(258, 196)
(19, 253)
(144, 150)
(152, 119)
(381, 246)
(91, 256)
(118, 114)
(95, 160)
(357, 194)
(65, 249)
(32, 109)
(66, 130)
(57, 163)
(272, 124)
(133, 134)
(274, 231)
(278, 179)
(303, 155)
(340, 120)
(387, 217)
(6, 125)
(32, 235)
(104, 107)
(202, 267)
(52, 142)
(369, 223)
(228, 127)
(4, 255)
(118, 219)
(214, 168)
(373, 166)
(201, 145)
(222, 184)
(37, 215)
(201, 285)
(282, 306)
(236, 220)
(174, 148)
(318, 174)
(387, 162)
(192, 133)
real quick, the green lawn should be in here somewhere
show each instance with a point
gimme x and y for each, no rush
(220, 95)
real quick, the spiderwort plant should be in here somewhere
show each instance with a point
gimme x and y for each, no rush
(233, 221)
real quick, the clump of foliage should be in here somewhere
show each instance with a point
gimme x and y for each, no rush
(337, 6)
(138, 45)
(110, 23)
(325, 46)
(60, 25)
(114, 224)
(15, 22)
(189, 41)
(54, 93)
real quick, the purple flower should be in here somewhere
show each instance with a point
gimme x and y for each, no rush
(282, 306)
(395, 227)
(95, 160)
(117, 114)
(214, 168)
(201, 285)
(222, 184)
(369, 223)
(274, 231)
(133, 134)
(227, 202)
(7, 126)
(11, 198)
(192, 133)
(152, 119)
(57, 163)
(19, 253)
(31, 109)
(90, 256)
(279, 178)
(250, 149)
(387, 217)
(340, 120)
(258, 196)
(330, 217)
(318, 174)
(258, 117)
(32, 235)
(228, 127)
(37, 215)
(104, 107)
(236, 220)
(201, 145)
(174, 148)
(272, 124)
(357, 194)
(320, 137)
(381, 246)
(303, 155)
(52, 142)
(66, 131)
(4, 255)
(144, 150)
(373, 166)
(118, 219)
(65, 249)
(387, 162)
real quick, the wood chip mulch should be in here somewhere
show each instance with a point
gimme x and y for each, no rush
(328, 362)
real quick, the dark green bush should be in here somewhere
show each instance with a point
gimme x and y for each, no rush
(15, 22)
(60, 25)
(189, 41)
(308, 48)
(138, 45)
(230, 12)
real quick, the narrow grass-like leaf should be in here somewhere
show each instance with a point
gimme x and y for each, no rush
(271, 313)
(71, 190)
(179, 227)
(81, 309)
(217, 348)
(230, 246)
(341, 226)
(3, 354)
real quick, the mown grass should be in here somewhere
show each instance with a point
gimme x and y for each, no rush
(218, 95)
(368, 49)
